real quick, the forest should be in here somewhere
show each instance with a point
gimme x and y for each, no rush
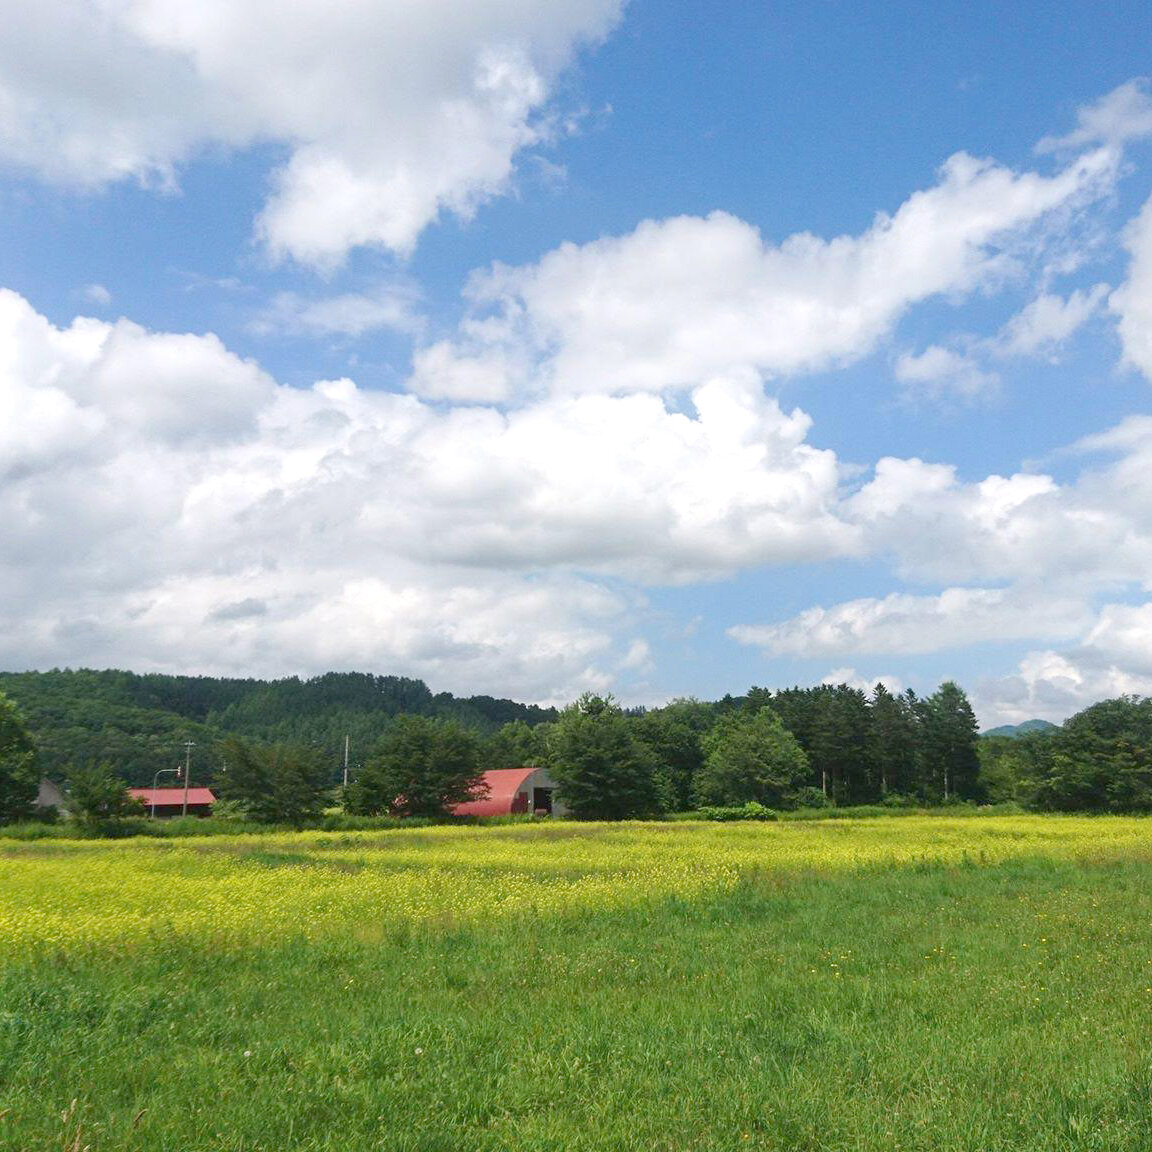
(139, 723)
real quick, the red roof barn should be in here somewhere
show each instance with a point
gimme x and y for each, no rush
(513, 790)
(163, 802)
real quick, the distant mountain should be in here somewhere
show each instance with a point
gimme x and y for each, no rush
(139, 723)
(1013, 730)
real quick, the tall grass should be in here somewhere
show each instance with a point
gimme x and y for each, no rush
(840, 986)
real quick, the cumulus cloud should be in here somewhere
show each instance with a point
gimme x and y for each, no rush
(1112, 659)
(599, 422)
(1056, 552)
(907, 624)
(939, 372)
(1049, 321)
(860, 682)
(679, 300)
(940, 529)
(964, 372)
(390, 112)
(1122, 115)
(167, 504)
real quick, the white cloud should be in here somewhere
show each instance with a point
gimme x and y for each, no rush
(1132, 302)
(1112, 660)
(1049, 321)
(390, 306)
(941, 530)
(439, 373)
(1122, 115)
(938, 372)
(392, 112)
(154, 482)
(862, 683)
(1122, 634)
(903, 624)
(1041, 328)
(679, 300)
(98, 294)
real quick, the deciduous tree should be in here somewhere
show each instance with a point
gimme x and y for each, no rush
(750, 756)
(603, 771)
(19, 774)
(421, 768)
(273, 783)
(96, 795)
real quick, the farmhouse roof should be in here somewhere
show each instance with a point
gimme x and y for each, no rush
(166, 797)
(502, 786)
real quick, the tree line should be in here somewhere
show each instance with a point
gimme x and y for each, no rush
(829, 745)
(1100, 760)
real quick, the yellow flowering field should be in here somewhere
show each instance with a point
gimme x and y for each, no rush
(75, 895)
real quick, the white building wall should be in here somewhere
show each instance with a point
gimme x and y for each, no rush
(541, 779)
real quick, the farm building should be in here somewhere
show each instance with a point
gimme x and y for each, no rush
(514, 790)
(164, 802)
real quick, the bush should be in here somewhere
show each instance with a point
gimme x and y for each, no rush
(810, 797)
(350, 822)
(35, 830)
(899, 800)
(750, 811)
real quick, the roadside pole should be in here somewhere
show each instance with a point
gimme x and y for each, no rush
(188, 746)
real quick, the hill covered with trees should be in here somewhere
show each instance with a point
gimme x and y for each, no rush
(139, 723)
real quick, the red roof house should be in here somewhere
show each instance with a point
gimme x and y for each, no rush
(163, 802)
(511, 790)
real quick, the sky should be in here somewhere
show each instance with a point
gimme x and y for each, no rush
(535, 348)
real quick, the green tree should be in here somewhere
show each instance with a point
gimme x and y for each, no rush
(421, 768)
(96, 795)
(893, 740)
(672, 735)
(950, 766)
(750, 757)
(833, 725)
(19, 772)
(1005, 768)
(513, 745)
(1100, 759)
(273, 783)
(603, 771)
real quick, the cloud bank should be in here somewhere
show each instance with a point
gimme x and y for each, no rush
(388, 113)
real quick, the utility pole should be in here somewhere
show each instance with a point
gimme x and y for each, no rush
(188, 746)
(346, 741)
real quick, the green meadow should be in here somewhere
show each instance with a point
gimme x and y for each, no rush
(932, 982)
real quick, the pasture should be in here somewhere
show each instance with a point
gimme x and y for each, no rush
(936, 982)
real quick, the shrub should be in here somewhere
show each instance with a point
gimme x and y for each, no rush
(750, 811)
(810, 797)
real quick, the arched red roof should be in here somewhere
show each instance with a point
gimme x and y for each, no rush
(504, 786)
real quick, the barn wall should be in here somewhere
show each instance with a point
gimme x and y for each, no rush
(541, 779)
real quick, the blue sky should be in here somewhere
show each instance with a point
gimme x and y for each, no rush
(660, 349)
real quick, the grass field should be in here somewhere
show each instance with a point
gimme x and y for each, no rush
(938, 982)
